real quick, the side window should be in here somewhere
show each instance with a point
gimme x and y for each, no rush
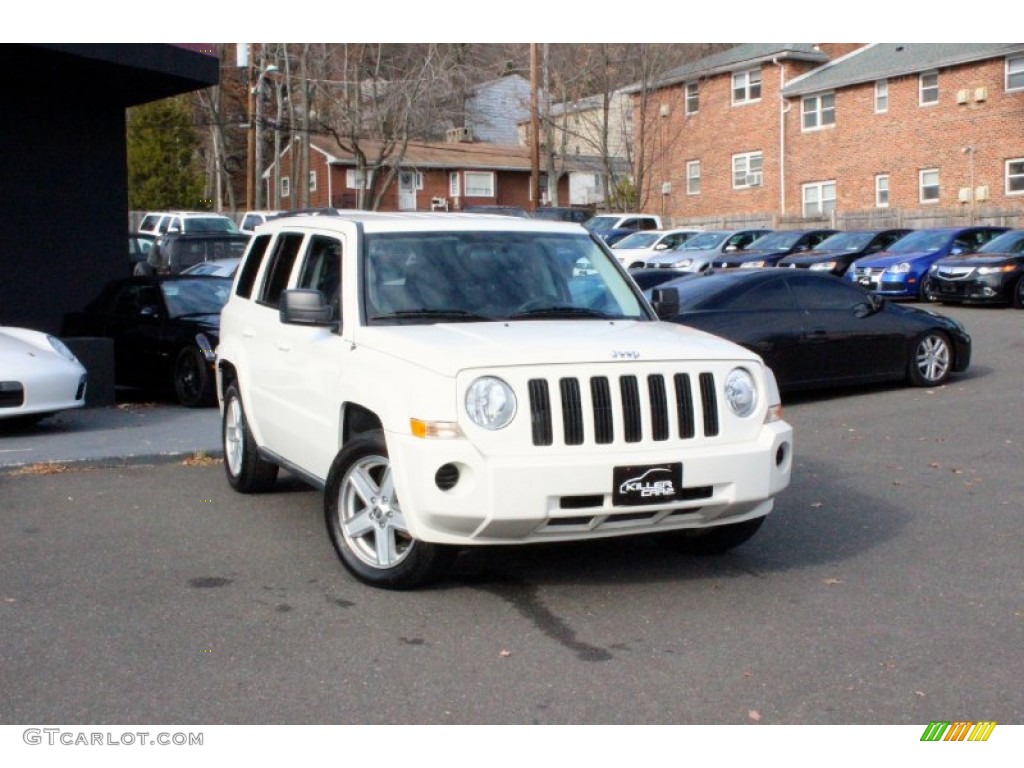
(630, 224)
(814, 293)
(321, 268)
(771, 295)
(279, 268)
(648, 224)
(247, 278)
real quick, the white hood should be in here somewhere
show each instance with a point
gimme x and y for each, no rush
(448, 348)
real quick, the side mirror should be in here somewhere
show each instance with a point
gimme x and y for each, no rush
(870, 307)
(665, 302)
(661, 247)
(305, 306)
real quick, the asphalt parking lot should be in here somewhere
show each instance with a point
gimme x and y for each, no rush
(886, 588)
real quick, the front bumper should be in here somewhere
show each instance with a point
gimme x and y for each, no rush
(980, 289)
(547, 495)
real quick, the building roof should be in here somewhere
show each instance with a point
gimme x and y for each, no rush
(747, 54)
(443, 155)
(879, 61)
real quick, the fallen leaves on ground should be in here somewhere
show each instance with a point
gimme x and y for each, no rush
(200, 460)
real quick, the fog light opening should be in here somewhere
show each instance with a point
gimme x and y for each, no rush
(781, 454)
(446, 477)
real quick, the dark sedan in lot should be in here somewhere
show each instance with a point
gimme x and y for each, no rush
(165, 330)
(835, 254)
(768, 249)
(993, 275)
(815, 330)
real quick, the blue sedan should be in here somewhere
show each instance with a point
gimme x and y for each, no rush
(902, 271)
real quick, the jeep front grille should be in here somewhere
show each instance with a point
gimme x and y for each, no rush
(624, 404)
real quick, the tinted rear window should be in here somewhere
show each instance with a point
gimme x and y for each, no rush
(247, 278)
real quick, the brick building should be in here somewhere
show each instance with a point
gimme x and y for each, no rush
(432, 175)
(919, 134)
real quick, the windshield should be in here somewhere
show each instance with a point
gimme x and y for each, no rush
(209, 224)
(921, 241)
(198, 296)
(601, 223)
(1008, 242)
(703, 242)
(844, 241)
(637, 240)
(471, 276)
(775, 240)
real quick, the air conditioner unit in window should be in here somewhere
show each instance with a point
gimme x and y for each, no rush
(753, 179)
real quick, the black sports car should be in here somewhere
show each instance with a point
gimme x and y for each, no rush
(994, 274)
(165, 331)
(817, 330)
(835, 254)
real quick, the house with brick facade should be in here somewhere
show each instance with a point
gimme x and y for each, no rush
(910, 133)
(448, 175)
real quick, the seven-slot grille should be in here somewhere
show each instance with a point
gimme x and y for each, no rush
(591, 408)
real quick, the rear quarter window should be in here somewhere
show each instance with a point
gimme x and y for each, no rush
(251, 266)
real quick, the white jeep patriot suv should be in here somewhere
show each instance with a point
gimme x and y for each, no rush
(453, 380)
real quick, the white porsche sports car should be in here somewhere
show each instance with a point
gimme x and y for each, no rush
(39, 375)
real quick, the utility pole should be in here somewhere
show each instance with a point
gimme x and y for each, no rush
(250, 166)
(534, 132)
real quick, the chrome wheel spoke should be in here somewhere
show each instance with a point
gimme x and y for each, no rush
(359, 525)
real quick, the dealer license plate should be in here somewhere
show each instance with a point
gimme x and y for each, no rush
(647, 484)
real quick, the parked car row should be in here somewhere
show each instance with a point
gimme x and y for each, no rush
(953, 264)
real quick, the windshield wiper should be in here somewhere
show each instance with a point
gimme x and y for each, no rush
(563, 311)
(431, 314)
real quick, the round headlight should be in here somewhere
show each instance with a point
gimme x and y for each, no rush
(901, 268)
(741, 392)
(490, 403)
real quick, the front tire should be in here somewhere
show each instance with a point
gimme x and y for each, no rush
(928, 292)
(193, 381)
(246, 471)
(366, 524)
(714, 541)
(1018, 294)
(931, 360)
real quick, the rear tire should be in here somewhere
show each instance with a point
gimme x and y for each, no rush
(365, 522)
(246, 471)
(1018, 294)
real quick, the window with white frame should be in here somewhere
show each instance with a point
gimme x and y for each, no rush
(1015, 176)
(693, 177)
(746, 170)
(356, 179)
(881, 96)
(312, 181)
(882, 190)
(929, 185)
(692, 98)
(928, 88)
(746, 86)
(286, 186)
(819, 198)
(479, 184)
(1015, 73)
(819, 111)
(453, 184)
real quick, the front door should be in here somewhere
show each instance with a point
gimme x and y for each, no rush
(407, 191)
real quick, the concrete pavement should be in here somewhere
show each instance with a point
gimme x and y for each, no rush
(131, 432)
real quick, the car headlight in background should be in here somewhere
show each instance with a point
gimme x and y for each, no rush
(741, 392)
(61, 349)
(752, 264)
(683, 263)
(996, 269)
(899, 269)
(829, 265)
(490, 403)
